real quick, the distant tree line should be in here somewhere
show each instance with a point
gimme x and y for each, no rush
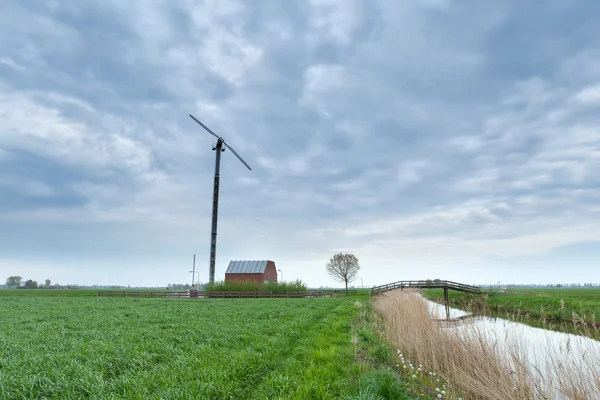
(544, 285)
(181, 286)
(16, 282)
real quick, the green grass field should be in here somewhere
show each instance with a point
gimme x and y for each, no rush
(87, 347)
(70, 292)
(572, 310)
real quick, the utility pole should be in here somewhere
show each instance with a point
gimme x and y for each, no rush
(193, 271)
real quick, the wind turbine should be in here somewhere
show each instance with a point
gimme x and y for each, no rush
(215, 210)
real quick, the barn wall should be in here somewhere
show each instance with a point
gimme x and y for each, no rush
(245, 277)
(270, 272)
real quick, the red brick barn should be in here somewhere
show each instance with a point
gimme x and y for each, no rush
(257, 271)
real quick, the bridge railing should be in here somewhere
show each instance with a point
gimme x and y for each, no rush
(421, 284)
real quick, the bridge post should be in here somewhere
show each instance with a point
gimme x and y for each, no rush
(447, 303)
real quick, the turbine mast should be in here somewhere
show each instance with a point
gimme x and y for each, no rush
(215, 211)
(218, 147)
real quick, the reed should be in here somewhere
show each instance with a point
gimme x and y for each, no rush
(251, 286)
(473, 367)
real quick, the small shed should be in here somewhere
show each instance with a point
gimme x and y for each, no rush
(256, 271)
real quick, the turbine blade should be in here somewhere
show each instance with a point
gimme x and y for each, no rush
(237, 155)
(205, 127)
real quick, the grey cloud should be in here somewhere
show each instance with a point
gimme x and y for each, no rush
(384, 127)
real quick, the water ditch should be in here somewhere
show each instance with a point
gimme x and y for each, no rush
(548, 355)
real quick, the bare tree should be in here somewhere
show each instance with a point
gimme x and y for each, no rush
(47, 282)
(343, 268)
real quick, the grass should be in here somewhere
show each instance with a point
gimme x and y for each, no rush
(83, 347)
(381, 378)
(469, 365)
(568, 310)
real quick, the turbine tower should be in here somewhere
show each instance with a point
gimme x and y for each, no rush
(218, 147)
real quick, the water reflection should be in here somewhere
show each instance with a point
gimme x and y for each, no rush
(548, 354)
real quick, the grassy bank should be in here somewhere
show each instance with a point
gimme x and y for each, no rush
(470, 367)
(93, 347)
(475, 367)
(569, 310)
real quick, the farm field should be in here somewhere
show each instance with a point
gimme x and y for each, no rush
(59, 347)
(572, 310)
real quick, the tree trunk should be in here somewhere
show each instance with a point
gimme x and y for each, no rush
(346, 287)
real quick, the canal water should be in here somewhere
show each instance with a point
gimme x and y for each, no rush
(553, 357)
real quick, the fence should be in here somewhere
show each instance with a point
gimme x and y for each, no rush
(150, 294)
(227, 295)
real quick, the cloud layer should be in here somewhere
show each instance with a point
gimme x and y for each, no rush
(434, 139)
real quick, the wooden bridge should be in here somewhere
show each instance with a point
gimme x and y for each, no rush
(428, 284)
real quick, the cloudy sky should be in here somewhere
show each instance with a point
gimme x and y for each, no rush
(433, 139)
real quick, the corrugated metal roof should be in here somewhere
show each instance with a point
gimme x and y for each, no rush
(246, 267)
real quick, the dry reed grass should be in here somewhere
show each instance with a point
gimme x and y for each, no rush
(475, 368)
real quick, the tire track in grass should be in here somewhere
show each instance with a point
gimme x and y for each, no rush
(313, 364)
(257, 369)
(248, 368)
(243, 368)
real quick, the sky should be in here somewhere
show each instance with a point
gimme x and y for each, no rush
(433, 139)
